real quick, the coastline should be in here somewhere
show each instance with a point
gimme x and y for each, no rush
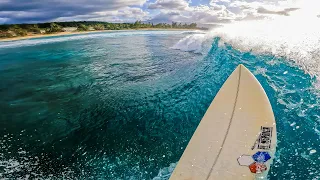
(87, 32)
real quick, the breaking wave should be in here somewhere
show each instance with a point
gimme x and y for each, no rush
(295, 38)
(113, 138)
(191, 43)
(94, 35)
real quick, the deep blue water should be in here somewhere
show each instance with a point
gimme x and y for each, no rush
(124, 105)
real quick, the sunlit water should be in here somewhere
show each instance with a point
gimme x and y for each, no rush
(124, 105)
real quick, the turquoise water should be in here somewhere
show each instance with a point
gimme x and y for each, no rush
(124, 105)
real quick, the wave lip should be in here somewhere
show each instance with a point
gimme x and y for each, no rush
(191, 43)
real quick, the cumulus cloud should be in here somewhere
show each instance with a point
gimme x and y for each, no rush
(255, 10)
(169, 4)
(213, 12)
(219, 1)
(201, 14)
(284, 12)
(219, 11)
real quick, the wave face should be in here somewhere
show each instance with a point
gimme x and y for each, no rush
(111, 109)
(295, 102)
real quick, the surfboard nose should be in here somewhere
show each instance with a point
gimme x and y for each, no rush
(241, 66)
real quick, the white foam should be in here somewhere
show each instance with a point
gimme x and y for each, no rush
(191, 43)
(283, 37)
(313, 151)
(296, 37)
(292, 124)
(165, 172)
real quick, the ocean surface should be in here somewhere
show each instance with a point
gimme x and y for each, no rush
(123, 105)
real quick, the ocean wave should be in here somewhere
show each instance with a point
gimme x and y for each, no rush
(295, 37)
(63, 38)
(192, 43)
(195, 32)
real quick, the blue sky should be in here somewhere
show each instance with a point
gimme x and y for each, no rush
(204, 12)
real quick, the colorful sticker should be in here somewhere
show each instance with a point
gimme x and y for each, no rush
(257, 168)
(256, 162)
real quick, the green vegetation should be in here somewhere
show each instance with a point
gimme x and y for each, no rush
(16, 30)
(33, 28)
(83, 27)
(98, 27)
(54, 28)
(4, 34)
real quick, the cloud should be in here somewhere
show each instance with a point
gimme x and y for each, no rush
(256, 10)
(174, 13)
(3, 20)
(169, 4)
(201, 14)
(79, 5)
(284, 12)
(127, 14)
(219, 11)
(17, 11)
(219, 1)
(214, 12)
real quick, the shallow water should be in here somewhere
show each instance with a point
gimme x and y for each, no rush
(124, 105)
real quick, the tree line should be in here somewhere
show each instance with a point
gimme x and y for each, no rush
(14, 30)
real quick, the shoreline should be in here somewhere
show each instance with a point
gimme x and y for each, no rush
(86, 32)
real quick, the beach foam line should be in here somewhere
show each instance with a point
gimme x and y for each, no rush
(36, 40)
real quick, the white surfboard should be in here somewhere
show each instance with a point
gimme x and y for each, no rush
(236, 139)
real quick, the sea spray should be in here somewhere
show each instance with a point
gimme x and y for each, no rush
(295, 37)
(192, 42)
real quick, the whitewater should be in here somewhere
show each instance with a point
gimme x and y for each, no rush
(295, 37)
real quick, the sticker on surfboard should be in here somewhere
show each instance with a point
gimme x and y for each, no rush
(256, 162)
(264, 139)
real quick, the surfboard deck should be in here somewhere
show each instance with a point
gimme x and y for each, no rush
(236, 138)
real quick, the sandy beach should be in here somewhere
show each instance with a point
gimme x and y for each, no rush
(87, 32)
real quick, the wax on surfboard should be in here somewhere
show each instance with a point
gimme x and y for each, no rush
(236, 138)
